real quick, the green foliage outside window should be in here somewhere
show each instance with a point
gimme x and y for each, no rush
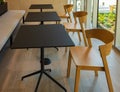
(107, 19)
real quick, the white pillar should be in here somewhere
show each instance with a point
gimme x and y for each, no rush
(82, 5)
(117, 31)
(95, 8)
(89, 16)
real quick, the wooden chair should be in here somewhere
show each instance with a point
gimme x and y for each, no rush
(67, 8)
(78, 26)
(87, 58)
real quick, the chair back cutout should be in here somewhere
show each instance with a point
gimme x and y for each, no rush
(105, 36)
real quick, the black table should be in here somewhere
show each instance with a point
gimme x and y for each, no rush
(42, 36)
(42, 17)
(41, 6)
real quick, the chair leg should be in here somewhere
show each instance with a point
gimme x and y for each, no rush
(79, 36)
(109, 82)
(70, 20)
(67, 20)
(69, 65)
(96, 73)
(77, 79)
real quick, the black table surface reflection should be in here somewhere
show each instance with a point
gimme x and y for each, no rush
(37, 36)
(42, 16)
(41, 6)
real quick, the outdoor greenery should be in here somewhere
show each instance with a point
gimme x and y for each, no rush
(107, 19)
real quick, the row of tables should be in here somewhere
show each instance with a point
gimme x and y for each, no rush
(42, 36)
(42, 16)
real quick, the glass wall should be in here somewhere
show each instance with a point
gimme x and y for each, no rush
(78, 4)
(117, 32)
(107, 14)
(103, 14)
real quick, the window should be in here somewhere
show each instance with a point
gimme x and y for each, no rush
(107, 14)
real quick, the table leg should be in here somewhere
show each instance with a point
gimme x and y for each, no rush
(41, 10)
(55, 81)
(38, 81)
(43, 71)
(42, 68)
(28, 75)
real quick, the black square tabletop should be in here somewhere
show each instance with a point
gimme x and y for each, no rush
(39, 36)
(42, 16)
(41, 6)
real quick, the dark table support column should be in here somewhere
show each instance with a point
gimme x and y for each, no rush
(42, 68)
(43, 71)
(41, 10)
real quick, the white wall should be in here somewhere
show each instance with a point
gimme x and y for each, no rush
(24, 4)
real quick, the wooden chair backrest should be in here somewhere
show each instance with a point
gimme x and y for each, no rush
(82, 17)
(68, 8)
(105, 36)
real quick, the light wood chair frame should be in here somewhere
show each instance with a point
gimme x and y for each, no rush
(68, 9)
(103, 35)
(80, 16)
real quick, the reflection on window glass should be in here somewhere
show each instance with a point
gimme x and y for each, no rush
(107, 14)
(77, 4)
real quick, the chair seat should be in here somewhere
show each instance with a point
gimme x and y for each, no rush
(92, 58)
(86, 56)
(72, 27)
